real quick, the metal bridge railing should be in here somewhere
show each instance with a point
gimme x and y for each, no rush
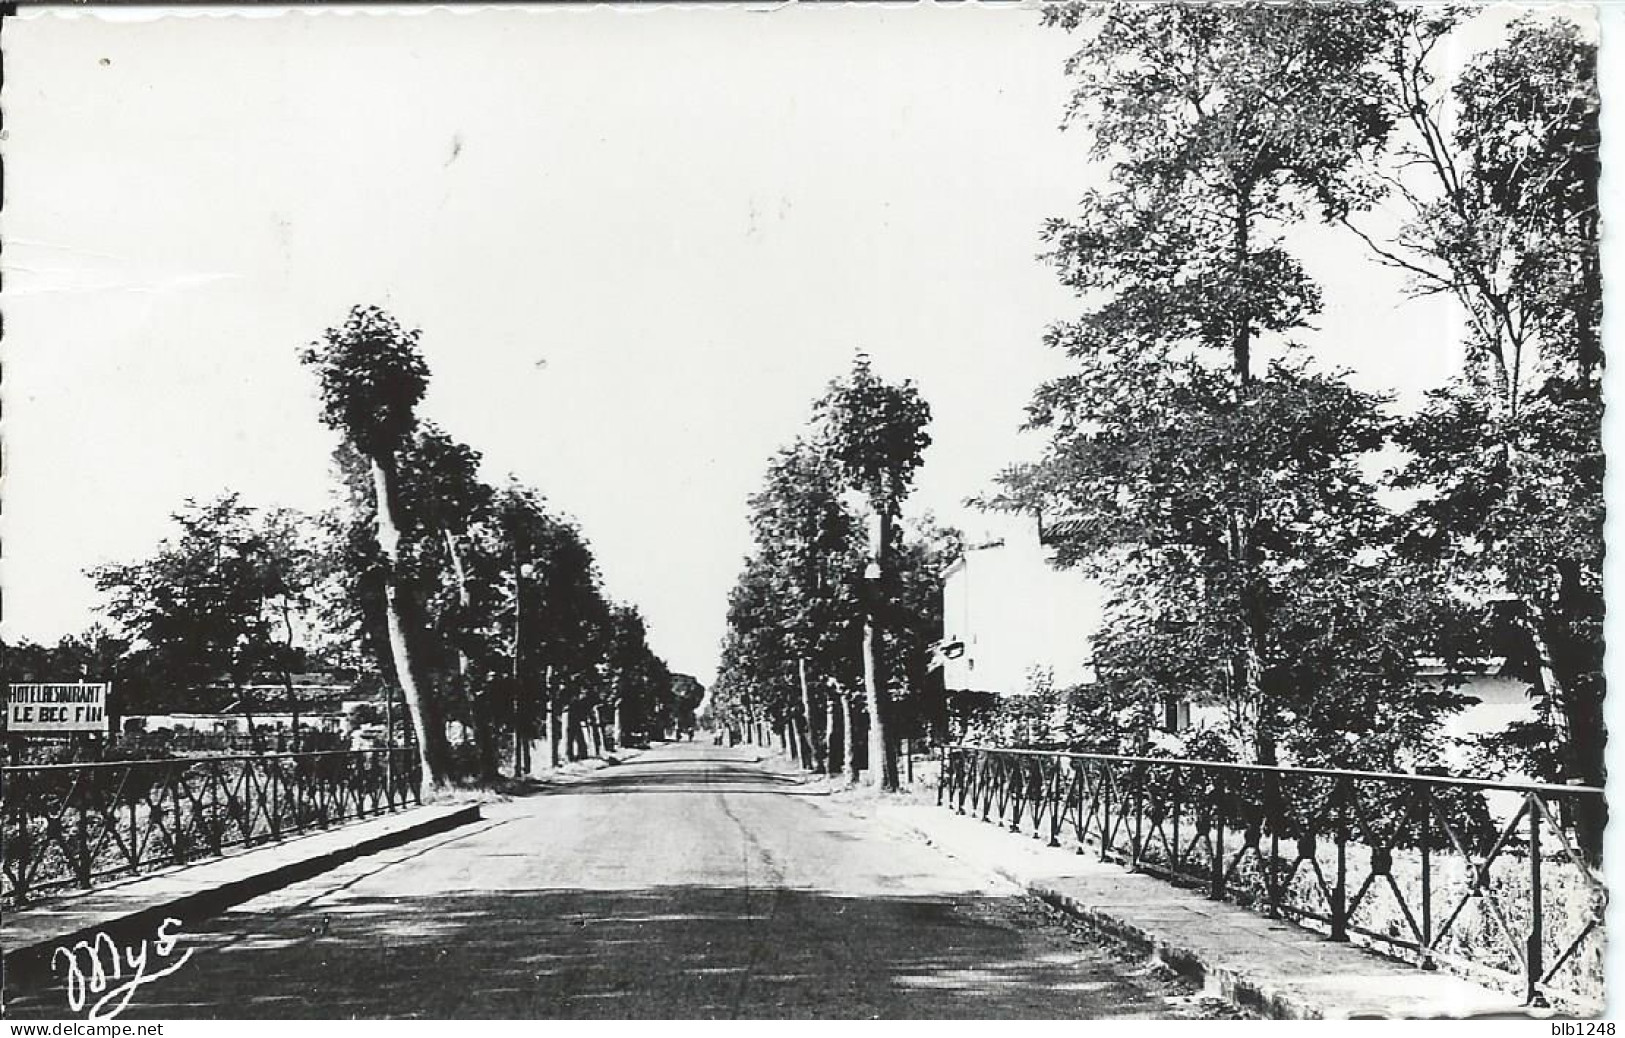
(1496, 879)
(67, 825)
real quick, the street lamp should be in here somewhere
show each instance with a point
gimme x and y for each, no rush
(521, 572)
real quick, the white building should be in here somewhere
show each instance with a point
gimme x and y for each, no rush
(1008, 612)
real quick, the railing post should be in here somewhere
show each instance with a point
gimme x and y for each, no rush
(1534, 956)
(1057, 807)
(1176, 856)
(272, 773)
(986, 787)
(1139, 817)
(1427, 880)
(1082, 769)
(1018, 792)
(81, 864)
(1106, 782)
(175, 804)
(213, 828)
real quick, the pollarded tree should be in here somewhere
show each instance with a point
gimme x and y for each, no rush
(372, 377)
(874, 434)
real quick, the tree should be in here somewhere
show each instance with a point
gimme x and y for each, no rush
(809, 546)
(291, 570)
(874, 434)
(221, 600)
(1194, 458)
(923, 549)
(686, 696)
(563, 635)
(372, 377)
(1508, 459)
(758, 666)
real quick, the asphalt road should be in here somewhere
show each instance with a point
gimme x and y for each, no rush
(691, 881)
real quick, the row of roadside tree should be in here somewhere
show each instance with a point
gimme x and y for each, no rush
(477, 606)
(1276, 540)
(832, 620)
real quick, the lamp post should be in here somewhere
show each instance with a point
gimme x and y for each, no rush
(521, 573)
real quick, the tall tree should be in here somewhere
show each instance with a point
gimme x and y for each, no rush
(810, 547)
(874, 434)
(1191, 445)
(1499, 179)
(372, 377)
(447, 515)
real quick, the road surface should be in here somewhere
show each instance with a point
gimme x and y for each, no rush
(691, 881)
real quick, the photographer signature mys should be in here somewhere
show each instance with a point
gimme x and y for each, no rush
(95, 964)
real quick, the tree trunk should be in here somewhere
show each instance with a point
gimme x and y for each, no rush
(482, 729)
(620, 724)
(518, 737)
(831, 763)
(248, 717)
(1246, 665)
(293, 710)
(849, 742)
(287, 675)
(1571, 667)
(431, 742)
(882, 764)
(578, 738)
(568, 732)
(797, 734)
(555, 729)
(1242, 340)
(812, 758)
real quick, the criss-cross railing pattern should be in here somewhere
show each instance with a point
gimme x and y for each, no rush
(65, 825)
(1498, 879)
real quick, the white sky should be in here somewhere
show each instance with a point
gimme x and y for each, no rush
(638, 244)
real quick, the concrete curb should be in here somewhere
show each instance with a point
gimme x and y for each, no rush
(1233, 984)
(1230, 983)
(1251, 989)
(28, 959)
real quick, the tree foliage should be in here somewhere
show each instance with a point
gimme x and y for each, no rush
(1507, 459)
(1210, 472)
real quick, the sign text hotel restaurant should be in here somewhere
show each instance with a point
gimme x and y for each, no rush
(57, 708)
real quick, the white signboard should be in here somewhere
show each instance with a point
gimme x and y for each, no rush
(57, 708)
